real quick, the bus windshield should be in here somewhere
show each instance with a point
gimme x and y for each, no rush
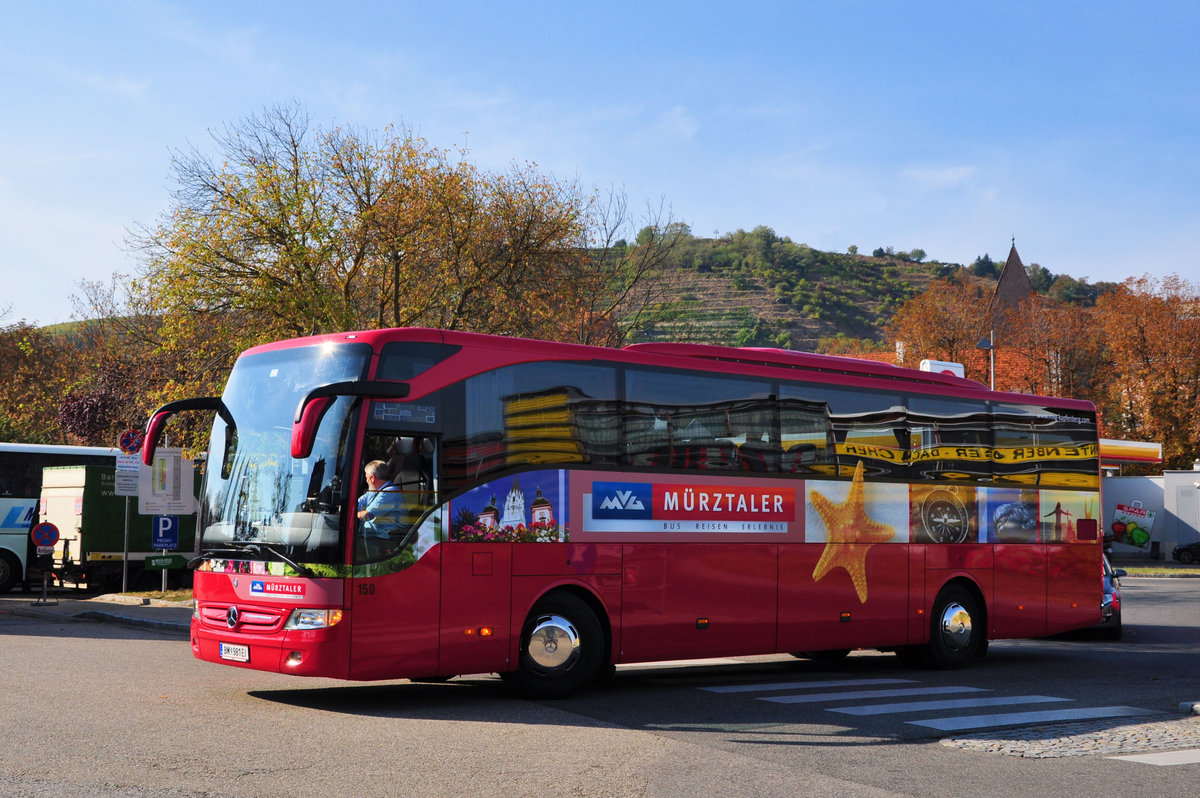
(257, 498)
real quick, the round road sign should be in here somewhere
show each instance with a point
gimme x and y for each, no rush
(44, 534)
(131, 441)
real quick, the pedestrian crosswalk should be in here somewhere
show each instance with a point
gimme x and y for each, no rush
(861, 697)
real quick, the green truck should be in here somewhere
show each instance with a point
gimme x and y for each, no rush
(91, 519)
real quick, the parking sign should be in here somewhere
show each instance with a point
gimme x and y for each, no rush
(166, 532)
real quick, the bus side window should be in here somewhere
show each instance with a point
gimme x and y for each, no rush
(806, 433)
(709, 433)
(950, 439)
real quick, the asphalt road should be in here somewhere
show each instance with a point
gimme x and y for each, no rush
(104, 709)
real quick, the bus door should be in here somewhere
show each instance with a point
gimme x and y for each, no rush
(396, 573)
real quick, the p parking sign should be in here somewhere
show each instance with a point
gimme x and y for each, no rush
(165, 532)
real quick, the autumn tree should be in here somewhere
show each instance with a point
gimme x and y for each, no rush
(36, 365)
(287, 230)
(305, 231)
(1053, 349)
(262, 232)
(611, 291)
(124, 367)
(1152, 329)
(844, 345)
(945, 322)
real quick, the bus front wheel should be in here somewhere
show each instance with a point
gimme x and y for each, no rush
(956, 632)
(10, 571)
(562, 648)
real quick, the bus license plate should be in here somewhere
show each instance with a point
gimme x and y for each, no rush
(235, 652)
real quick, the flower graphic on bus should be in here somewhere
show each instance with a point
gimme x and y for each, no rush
(536, 532)
(480, 518)
(851, 534)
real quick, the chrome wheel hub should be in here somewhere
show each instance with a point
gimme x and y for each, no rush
(955, 626)
(553, 643)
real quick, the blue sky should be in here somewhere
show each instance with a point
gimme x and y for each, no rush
(952, 127)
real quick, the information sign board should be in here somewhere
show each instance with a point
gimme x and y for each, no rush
(128, 474)
(166, 486)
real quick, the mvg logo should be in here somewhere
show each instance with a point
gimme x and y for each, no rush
(621, 499)
(19, 514)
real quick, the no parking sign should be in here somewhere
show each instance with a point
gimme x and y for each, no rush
(130, 441)
(44, 535)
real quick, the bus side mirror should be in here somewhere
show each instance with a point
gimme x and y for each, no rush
(304, 426)
(159, 418)
(317, 401)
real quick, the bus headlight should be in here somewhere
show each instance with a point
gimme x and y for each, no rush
(313, 619)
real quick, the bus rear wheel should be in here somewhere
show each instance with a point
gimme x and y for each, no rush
(562, 648)
(956, 633)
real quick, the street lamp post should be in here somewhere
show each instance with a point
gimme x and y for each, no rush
(989, 345)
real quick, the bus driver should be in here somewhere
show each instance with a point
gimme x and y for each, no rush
(381, 508)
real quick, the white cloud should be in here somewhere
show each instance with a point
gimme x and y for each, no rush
(111, 85)
(938, 178)
(677, 123)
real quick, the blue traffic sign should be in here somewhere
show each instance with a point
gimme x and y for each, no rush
(165, 532)
(130, 441)
(44, 534)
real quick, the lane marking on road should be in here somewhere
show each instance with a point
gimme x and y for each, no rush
(1189, 756)
(777, 686)
(853, 696)
(1024, 718)
(956, 703)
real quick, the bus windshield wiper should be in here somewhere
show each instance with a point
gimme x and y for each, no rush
(259, 548)
(207, 553)
(254, 548)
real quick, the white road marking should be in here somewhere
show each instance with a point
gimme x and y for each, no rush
(1023, 718)
(955, 703)
(1188, 756)
(811, 699)
(777, 686)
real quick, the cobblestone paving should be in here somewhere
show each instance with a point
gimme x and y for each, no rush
(1085, 738)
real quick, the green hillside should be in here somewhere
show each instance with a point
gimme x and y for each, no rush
(756, 289)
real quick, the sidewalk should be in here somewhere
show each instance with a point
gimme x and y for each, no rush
(167, 616)
(1168, 567)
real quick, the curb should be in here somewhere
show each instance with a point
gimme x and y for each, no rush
(125, 620)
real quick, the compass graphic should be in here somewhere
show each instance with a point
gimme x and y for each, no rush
(945, 517)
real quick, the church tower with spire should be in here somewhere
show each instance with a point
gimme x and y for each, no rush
(514, 507)
(1012, 289)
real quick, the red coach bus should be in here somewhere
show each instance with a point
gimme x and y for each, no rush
(558, 509)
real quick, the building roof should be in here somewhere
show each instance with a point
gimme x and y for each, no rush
(1012, 288)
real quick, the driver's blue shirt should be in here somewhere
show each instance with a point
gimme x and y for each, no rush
(385, 511)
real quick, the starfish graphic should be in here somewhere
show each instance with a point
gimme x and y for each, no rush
(851, 534)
